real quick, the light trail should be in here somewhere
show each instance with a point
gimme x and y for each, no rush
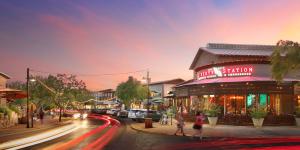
(100, 142)
(105, 138)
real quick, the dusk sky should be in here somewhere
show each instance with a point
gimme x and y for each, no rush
(116, 36)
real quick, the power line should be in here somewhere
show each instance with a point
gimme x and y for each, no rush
(105, 74)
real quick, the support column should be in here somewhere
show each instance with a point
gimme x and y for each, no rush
(224, 105)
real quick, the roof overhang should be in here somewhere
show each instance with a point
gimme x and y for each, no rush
(12, 94)
(4, 75)
(235, 79)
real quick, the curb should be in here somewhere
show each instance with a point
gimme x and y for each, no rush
(39, 138)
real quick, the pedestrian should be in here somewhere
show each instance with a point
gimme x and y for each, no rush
(165, 119)
(180, 124)
(198, 125)
(41, 114)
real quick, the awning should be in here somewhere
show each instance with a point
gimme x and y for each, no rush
(157, 100)
(234, 79)
(11, 94)
(153, 101)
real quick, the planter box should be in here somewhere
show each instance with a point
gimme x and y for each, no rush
(212, 121)
(297, 121)
(258, 122)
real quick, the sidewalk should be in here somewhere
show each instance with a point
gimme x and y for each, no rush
(222, 130)
(20, 131)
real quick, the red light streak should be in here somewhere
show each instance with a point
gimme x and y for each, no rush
(105, 138)
(108, 134)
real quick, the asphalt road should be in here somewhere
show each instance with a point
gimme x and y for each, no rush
(129, 139)
(125, 138)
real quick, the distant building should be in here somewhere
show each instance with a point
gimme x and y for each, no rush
(106, 99)
(3, 83)
(106, 94)
(162, 91)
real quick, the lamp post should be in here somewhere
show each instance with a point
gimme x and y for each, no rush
(27, 102)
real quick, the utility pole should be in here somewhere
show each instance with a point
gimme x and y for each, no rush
(27, 108)
(148, 120)
(148, 94)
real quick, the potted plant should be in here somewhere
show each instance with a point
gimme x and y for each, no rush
(212, 114)
(297, 116)
(258, 115)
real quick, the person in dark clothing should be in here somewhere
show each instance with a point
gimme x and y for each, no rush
(41, 114)
(198, 125)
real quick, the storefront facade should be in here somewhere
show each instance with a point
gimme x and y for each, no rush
(237, 78)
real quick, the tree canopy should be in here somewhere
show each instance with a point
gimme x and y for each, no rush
(131, 90)
(285, 59)
(60, 91)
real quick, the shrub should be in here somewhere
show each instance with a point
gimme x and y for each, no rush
(213, 110)
(258, 113)
(14, 108)
(171, 111)
(297, 112)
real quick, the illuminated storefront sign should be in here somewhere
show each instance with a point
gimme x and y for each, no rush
(225, 71)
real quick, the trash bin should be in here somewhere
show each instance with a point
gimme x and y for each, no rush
(148, 122)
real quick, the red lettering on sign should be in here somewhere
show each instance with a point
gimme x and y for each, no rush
(225, 71)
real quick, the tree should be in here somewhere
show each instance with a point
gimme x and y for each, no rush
(69, 91)
(60, 91)
(131, 90)
(285, 59)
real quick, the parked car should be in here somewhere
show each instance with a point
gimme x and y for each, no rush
(132, 113)
(122, 114)
(100, 111)
(155, 115)
(111, 111)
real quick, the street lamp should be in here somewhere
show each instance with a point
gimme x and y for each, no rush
(27, 102)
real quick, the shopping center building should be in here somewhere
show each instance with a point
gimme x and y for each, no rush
(238, 78)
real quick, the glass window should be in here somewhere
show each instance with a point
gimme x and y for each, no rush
(250, 100)
(263, 99)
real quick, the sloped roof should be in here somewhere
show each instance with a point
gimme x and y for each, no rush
(4, 75)
(173, 81)
(235, 50)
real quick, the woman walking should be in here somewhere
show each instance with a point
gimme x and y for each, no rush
(41, 114)
(180, 124)
(198, 125)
